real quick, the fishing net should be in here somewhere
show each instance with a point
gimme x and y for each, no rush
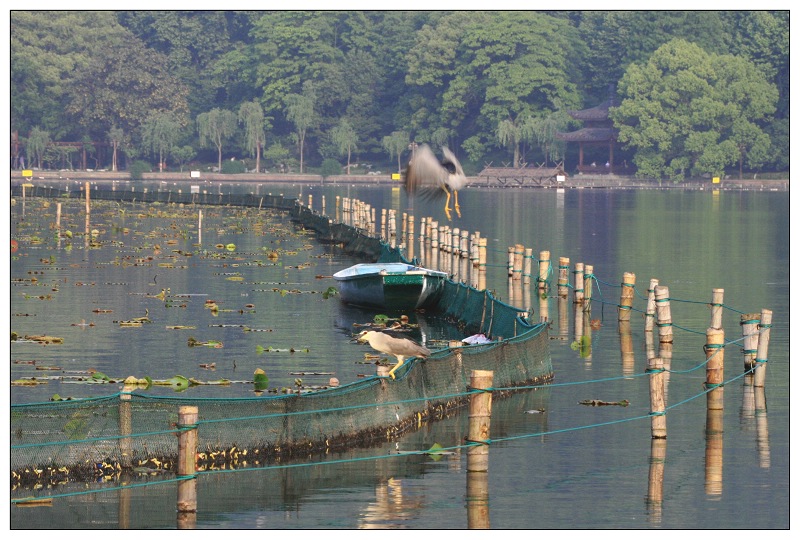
(54, 441)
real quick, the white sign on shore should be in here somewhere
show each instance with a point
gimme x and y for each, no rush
(195, 174)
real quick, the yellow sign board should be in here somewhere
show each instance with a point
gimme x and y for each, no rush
(395, 176)
(715, 180)
(27, 173)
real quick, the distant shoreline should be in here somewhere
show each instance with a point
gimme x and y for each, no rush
(608, 181)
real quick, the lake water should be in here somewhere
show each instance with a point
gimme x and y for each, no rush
(571, 467)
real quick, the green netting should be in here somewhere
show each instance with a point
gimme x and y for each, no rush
(84, 437)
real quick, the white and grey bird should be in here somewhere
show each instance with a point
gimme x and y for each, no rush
(433, 178)
(401, 348)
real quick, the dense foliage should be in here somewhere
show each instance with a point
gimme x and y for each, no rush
(698, 92)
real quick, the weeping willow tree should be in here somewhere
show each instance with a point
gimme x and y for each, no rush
(345, 138)
(216, 126)
(252, 116)
(395, 144)
(509, 133)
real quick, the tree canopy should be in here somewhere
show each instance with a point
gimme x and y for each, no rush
(490, 85)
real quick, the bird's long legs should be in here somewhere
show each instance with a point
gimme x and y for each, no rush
(391, 371)
(447, 204)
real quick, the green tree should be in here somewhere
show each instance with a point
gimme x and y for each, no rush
(115, 138)
(160, 133)
(300, 111)
(252, 116)
(182, 155)
(36, 146)
(135, 84)
(345, 138)
(686, 111)
(49, 50)
(395, 144)
(215, 127)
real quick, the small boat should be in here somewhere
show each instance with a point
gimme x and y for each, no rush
(389, 286)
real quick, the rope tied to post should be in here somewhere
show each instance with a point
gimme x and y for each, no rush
(489, 389)
(487, 442)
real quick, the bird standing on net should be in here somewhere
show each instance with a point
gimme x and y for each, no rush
(432, 178)
(401, 348)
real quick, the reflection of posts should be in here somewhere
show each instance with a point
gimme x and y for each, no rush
(655, 484)
(480, 413)
(762, 430)
(714, 429)
(563, 318)
(626, 347)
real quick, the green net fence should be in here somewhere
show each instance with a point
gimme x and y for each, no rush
(69, 440)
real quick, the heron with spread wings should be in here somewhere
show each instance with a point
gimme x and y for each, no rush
(400, 348)
(433, 178)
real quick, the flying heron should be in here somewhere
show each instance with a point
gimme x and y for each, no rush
(432, 178)
(401, 348)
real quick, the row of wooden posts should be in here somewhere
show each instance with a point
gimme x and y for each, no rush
(465, 248)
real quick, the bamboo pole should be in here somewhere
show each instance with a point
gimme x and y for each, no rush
(510, 264)
(563, 276)
(655, 484)
(588, 274)
(527, 267)
(658, 419)
(749, 323)
(763, 348)
(716, 307)
(626, 296)
(626, 347)
(544, 268)
(187, 465)
(715, 366)
(714, 430)
(650, 312)
(762, 428)
(480, 416)
(578, 293)
(663, 314)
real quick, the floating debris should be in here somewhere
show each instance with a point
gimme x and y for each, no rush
(601, 403)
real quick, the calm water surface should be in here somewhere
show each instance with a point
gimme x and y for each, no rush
(574, 476)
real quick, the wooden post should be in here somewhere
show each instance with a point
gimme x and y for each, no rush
(663, 314)
(527, 266)
(587, 287)
(480, 414)
(563, 276)
(563, 318)
(199, 226)
(650, 312)
(626, 296)
(578, 294)
(763, 348)
(749, 323)
(658, 419)
(187, 459)
(511, 262)
(87, 197)
(715, 366)
(480, 417)
(544, 268)
(716, 307)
